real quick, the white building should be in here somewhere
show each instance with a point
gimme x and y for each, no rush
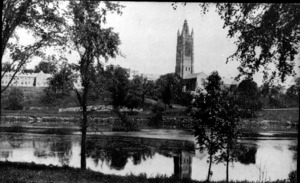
(151, 77)
(26, 79)
(195, 81)
(31, 80)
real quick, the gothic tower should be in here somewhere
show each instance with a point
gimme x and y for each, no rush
(185, 52)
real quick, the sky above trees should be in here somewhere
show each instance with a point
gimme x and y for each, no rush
(148, 33)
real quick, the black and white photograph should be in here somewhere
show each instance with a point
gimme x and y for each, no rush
(149, 92)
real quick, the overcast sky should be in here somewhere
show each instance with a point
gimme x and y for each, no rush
(148, 32)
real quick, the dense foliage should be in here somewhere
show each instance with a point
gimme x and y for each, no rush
(169, 88)
(248, 97)
(46, 66)
(117, 84)
(15, 99)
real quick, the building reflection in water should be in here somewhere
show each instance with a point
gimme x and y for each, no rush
(183, 165)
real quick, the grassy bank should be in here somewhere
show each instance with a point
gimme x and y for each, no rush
(29, 172)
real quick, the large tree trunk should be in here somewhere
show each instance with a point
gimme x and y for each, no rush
(83, 138)
(227, 165)
(227, 170)
(84, 125)
(210, 158)
(209, 168)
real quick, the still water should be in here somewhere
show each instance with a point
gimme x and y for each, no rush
(262, 159)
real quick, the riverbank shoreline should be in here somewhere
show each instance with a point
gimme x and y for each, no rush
(31, 172)
(154, 133)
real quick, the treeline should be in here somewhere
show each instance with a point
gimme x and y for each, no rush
(252, 98)
(114, 86)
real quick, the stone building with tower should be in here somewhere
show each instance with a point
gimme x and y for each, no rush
(185, 62)
(185, 51)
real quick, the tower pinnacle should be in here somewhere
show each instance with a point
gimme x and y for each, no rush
(185, 28)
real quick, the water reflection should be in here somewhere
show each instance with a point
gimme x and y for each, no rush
(247, 154)
(183, 165)
(126, 155)
(6, 154)
(58, 147)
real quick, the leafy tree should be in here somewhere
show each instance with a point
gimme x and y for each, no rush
(151, 90)
(277, 97)
(265, 94)
(28, 70)
(248, 97)
(118, 79)
(157, 119)
(118, 86)
(15, 99)
(140, 87)
(292, 93)
(7, 67)
(169, 87)
(186, 99)
(207, 117)
(92, 42)
(267, 34)
(61, 82)
(133, 101)
(44, 21)
(273, 96)
(46, 67)
(216, 122)
(228, 129)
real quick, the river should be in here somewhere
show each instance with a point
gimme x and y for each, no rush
(152, 153)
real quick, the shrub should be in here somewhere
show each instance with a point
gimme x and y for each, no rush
(15, 99)
(157, 119)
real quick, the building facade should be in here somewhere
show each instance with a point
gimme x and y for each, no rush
(26, 79)
(31, 80)
(185, 51)
(185, 62)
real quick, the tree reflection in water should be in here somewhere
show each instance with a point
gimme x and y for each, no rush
(15, 141)
(59, 146)
(247, 154)
(116, 152)
(294, 148)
